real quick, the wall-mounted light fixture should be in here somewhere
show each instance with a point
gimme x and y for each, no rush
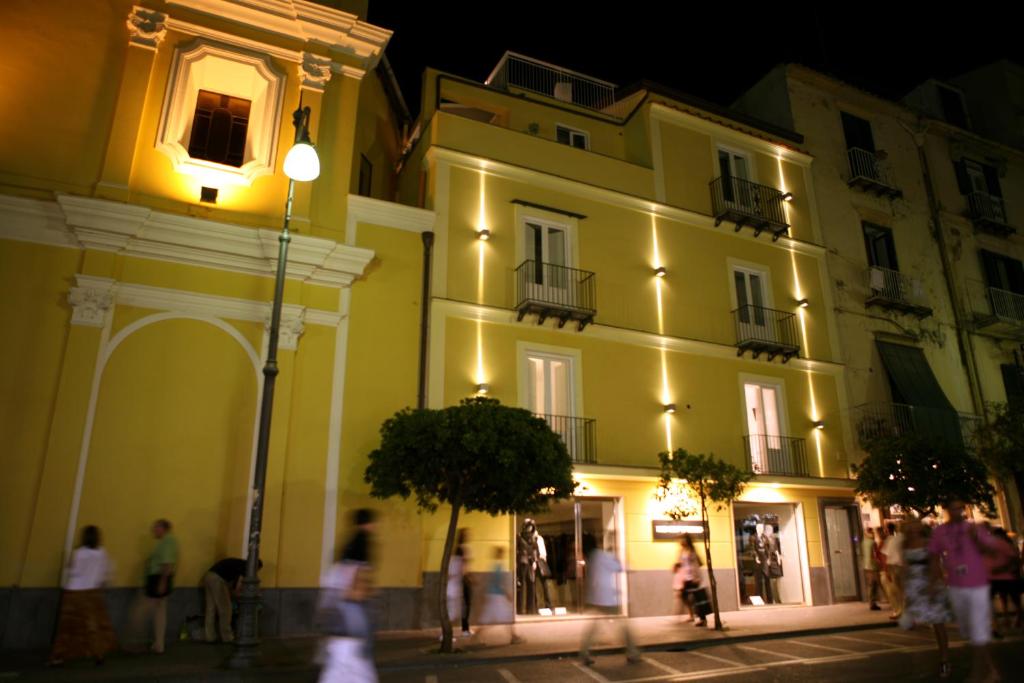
(670, 408)
(660, 271)
(787, 196)
(803, 303)
(819, 424)
(483, 388)
(483, 234)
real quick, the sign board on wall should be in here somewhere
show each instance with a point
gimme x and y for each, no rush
(669, 530)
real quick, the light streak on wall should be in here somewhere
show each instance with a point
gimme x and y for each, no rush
(659, 283)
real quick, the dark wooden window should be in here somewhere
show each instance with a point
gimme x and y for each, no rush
(1002, 272)
(219, 127)
(857, 132)
(881, 246)
(365, 176)
(952, 106)
(573, 138)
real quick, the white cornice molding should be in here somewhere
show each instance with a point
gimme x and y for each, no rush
(349, 71)
(91, 299)
(696, 347)
(301, 20)
(668, 114)
(146, 28)
(141, 232)
(389, 214)
(39, 222)
(192, 29)
(293, 316)
(614, 197)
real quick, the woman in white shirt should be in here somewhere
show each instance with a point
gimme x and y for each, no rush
(84, 628)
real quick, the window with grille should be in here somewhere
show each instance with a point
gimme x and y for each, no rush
(219, 127)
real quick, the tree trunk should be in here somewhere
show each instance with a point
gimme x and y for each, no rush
(442, 592)
(707, 553)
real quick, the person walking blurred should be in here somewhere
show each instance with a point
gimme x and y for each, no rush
(892, 549)
(926, 602)
(869, 563)
(498, 601)
(342, 610)
(1005, 574)
(602, 576)
(958, 549)
(83, 626)
(151, 605)
(689, 570)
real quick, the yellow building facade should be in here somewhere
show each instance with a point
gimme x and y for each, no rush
(139, 232)
(653, 277)
(585, 267)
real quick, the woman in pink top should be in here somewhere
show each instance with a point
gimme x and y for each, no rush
(959, 548)
(688, 573)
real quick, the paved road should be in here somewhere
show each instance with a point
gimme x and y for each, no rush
(875, 655)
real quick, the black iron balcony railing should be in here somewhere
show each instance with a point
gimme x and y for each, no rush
(765, 330)
(552, 291)
(881, 420)
(870, 172)
(745, 203)
(891, 289)
(1006, 306)
(769, 454)
(988, 213)
(579, 434)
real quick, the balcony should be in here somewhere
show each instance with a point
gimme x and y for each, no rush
(988, 213)
(895, 291)
(551, 291)
(869, 172)
(749, 204)
(891, 420)
(763, 330)
(579, 434)
(782, 455)
(516, 72)
(998, 311)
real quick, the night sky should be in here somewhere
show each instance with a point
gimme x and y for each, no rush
(713, 50)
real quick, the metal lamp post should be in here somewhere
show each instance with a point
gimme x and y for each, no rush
(301, 164)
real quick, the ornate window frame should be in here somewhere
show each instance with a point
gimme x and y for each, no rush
(204, 65)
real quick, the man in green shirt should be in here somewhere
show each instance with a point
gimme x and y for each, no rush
(159, 582)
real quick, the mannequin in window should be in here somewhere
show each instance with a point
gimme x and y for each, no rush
(774, 563)
(531, 557)
(761, 585)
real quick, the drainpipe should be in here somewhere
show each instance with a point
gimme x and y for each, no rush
(965, 344)
(428, 248)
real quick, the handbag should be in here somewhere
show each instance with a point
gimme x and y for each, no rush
(701, 602)
(543, 569)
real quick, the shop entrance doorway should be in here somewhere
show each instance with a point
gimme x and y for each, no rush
(551, 549)
(768, 554)
(840, 530)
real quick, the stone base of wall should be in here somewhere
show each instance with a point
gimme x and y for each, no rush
(28, 615)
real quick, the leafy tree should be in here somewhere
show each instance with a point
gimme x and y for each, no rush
(920, 472)
(1000, 443)
(477, 456)
(709, 480)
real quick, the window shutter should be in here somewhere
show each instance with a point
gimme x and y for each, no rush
(962, 180)
(992, 180)
(1013, 382)
(990, 266)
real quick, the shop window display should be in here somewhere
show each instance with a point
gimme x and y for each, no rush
(767, 555)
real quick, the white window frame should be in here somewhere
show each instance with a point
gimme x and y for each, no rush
(751, 167)
(782, 402)
(574, 131)
(750, 268)
(570, 225)
(199, 65)
(574, 358)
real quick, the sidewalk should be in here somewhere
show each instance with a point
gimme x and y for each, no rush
(292, 659)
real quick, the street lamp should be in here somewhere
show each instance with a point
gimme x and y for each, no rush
(301, 164)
